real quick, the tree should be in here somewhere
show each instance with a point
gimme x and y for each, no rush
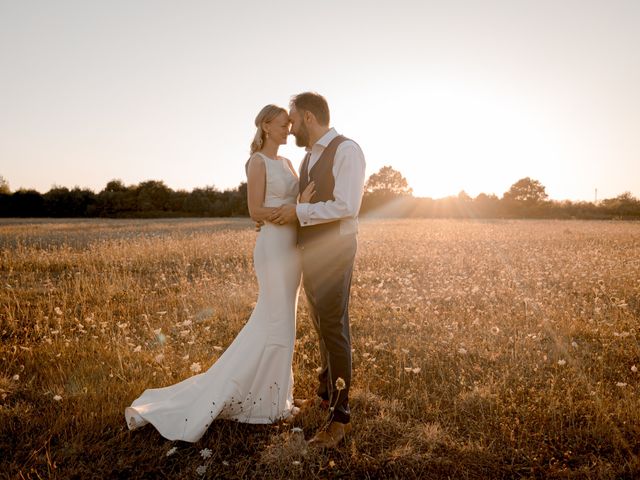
(389, 189)
(526, 192)
(4, 185)
(388, 182)
(115, 186)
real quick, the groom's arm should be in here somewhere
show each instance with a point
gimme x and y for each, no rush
(349, 173)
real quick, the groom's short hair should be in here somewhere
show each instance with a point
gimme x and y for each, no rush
(314, 103)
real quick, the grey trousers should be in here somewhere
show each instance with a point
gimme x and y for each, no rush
(327, 267)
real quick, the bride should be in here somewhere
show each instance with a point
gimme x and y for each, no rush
(252, 382)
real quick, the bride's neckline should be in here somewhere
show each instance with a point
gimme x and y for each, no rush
(267, 156)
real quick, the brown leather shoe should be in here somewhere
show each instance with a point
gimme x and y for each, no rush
(331, 436)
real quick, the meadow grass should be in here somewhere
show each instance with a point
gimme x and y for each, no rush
(493, 349)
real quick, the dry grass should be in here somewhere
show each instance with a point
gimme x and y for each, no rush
(502, 349)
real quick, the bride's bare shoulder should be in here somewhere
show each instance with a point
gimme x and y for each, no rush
(255, 160)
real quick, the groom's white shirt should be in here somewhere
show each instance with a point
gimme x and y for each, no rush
(348, 172)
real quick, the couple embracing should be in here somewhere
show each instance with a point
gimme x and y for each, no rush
(307, 229)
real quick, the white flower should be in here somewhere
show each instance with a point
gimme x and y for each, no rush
(205, 453)
(562, 362)
(634, 369)
(340, 384)
(296, 462)
(621, 384)
(201, 470)
(195, 367)
(172, 451)
(16, 377)
(57, 398)
(416, 370)
(574, 344)
(58, 311)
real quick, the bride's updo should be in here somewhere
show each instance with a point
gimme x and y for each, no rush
(267, 114)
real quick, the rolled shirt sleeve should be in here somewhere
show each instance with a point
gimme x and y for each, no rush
(349, 173)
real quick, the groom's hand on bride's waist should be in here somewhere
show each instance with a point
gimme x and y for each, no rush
(284, 214)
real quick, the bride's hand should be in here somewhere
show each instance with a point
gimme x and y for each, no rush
(309, 192)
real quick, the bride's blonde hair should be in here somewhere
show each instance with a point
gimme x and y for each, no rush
(267, 114)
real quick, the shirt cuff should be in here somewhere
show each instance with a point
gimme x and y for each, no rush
(302, 211)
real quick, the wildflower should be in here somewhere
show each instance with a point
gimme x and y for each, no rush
(201, 470)
(495, 330)
(195, 367)
(634, 369)
(574, 344)
(57, 398)
(562, 362)
(172, 451)
(462, 351)
(137, 349)
(296, 462)
(58, 311)
(205, 453)
(332, 464)
(621, 384)
(16, 377)
(340, 384)
(416, 370)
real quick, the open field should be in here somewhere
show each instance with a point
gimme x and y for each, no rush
(496, 349)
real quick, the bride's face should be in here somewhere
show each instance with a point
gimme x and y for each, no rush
(278, 128)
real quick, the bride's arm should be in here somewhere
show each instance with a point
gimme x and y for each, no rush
(256, 185)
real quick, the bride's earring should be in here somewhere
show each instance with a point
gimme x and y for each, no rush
(267, 134)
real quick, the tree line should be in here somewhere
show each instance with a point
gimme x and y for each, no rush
(387, 194)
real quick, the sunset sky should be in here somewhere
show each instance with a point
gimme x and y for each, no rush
(457, 95)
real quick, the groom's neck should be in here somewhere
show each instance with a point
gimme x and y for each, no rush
(317, 134)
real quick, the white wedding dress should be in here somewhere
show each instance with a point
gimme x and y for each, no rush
(252, 382)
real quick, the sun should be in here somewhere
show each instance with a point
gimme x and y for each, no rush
(460, 137)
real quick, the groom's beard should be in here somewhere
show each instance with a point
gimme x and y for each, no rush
(302, 137)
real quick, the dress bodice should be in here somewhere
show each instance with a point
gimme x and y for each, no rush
(281, 184)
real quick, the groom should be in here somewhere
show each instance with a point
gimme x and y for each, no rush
(327, 229)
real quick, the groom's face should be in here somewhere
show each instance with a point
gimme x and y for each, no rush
(298, 127)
